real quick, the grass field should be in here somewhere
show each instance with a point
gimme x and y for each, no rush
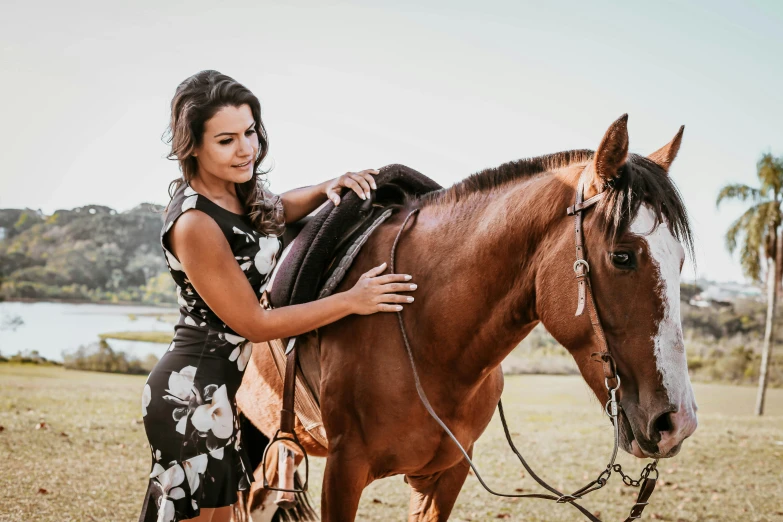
(72, 448)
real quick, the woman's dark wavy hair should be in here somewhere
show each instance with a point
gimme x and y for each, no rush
(196, 100)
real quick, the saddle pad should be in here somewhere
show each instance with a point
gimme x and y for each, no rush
(306, 401)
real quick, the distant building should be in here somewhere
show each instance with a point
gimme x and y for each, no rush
(724, 294)
(2, 233)
(731, 292)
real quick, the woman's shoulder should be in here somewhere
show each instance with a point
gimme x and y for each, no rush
(189, 225)
(183, 198)
(198, 229)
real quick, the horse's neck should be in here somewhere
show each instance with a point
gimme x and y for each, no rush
(481, 257)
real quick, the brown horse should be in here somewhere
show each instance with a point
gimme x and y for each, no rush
(494, 256)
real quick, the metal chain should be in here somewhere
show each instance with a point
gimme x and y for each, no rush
(611, 408)
(628, 481)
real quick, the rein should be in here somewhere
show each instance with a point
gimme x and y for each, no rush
(646, 482)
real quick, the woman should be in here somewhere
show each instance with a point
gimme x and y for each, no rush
(221, 258)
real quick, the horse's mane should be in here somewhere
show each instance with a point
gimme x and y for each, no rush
(489, 179)
(640, 181)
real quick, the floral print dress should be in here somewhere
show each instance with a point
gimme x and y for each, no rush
(188, 402)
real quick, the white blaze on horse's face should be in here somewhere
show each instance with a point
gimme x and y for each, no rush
(667, 255)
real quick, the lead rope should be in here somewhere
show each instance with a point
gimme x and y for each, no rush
(610, 408)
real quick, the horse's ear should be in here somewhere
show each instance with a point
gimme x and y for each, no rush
(612, 152)
(666, 154)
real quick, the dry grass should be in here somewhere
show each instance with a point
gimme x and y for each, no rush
(87, 462)
(149, 337)
(90, 461)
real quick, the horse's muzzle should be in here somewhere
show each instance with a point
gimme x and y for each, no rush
(662, 433)
(672, 428)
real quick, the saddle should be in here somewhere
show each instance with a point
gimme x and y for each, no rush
(322, 249)
(319, 240)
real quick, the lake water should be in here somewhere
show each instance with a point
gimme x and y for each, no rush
(52, 328)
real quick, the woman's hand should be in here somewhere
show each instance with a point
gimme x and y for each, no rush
(359, 182)
(375, 293)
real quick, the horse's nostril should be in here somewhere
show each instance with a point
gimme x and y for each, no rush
(663, 423)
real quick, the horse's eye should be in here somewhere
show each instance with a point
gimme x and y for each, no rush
(622, 259)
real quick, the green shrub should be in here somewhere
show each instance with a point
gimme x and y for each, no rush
(100, 357)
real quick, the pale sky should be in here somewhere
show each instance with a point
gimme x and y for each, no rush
(447, 88)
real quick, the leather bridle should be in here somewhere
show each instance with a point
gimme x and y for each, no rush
(649, 475)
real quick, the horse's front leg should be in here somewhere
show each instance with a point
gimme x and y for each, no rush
(345, 477)
(433, 497)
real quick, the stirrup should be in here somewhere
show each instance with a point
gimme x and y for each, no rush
(295, 440)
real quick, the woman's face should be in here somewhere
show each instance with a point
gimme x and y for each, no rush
(229, 145)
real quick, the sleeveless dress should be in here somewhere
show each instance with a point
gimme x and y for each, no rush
(188, 401)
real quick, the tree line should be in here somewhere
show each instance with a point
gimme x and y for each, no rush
(89, 253)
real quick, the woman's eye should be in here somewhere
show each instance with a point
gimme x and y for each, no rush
(229, 140)
(622, 259)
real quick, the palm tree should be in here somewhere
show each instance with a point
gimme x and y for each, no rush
(759, 230)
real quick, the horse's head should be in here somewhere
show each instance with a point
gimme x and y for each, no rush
(633, 245)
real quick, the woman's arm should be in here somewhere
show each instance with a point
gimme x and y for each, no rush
(206, 258)
(298, 203)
